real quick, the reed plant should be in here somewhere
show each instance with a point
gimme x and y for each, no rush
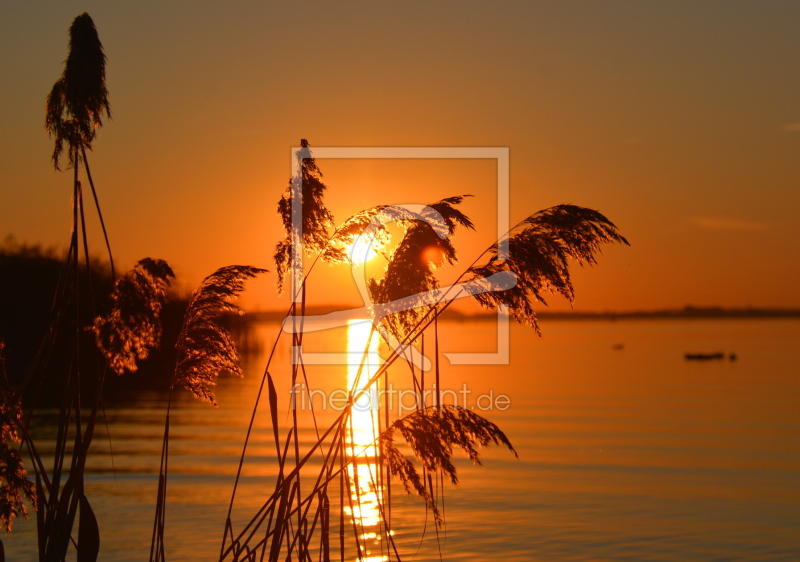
(91, 333)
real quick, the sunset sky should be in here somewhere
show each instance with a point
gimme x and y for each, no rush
(678, 120)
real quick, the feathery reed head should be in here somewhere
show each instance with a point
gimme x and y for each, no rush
(537, 252)
(79, 98)
(133, 327)
(309, 227)
(425, 247)
(14, 485)
(204, 347)
(405, 470)
(362, 224)
(431, 434)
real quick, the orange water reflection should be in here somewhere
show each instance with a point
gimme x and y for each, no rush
(365, 479)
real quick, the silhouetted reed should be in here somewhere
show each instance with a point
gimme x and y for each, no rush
(537, 251)
(433, 431)
(73, 112)
(425, 247)
(431, 434)
(121, 336)
(79, 98)
(310, 228)
(204, 350)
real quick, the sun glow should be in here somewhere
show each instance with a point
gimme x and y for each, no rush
(360, 250)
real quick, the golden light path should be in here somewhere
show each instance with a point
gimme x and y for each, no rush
(366, 491)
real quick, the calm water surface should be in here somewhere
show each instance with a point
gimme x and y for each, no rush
(624, 454)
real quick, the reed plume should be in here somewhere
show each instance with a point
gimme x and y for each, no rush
(537, 251)
(133, 327)
(78, 99)
(369, 224)
(74, 111)
(310, 227)
(431, 433)
(204, 347)
(425, 247)
(362, 224)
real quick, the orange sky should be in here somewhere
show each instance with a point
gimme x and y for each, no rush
(680, 121)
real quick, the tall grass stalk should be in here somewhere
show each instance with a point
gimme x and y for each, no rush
(74, 110)
(205, 349)
(94, 336)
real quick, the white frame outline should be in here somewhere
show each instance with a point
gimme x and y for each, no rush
(499, 154)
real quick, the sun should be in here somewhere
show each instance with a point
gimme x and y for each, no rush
(360, 250)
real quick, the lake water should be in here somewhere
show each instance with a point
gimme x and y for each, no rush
(626, 450)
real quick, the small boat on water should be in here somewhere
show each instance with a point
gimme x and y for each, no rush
(704, 356)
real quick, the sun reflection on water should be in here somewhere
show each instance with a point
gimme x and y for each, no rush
(365, 488)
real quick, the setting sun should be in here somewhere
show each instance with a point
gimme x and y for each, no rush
(361, 250)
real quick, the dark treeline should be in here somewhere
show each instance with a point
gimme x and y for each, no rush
(676, 313)
(688, 312)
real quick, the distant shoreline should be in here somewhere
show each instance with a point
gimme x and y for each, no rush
(689, 312)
